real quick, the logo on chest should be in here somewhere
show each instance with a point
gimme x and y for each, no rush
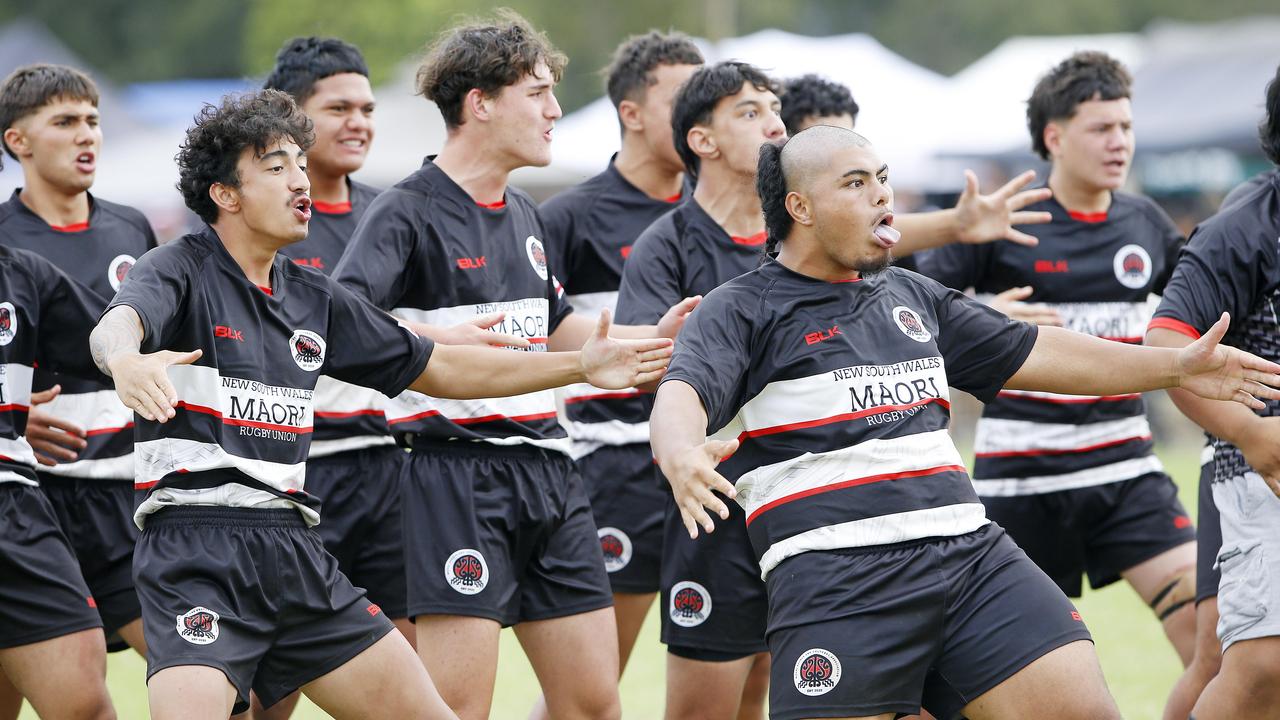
(909, 322)
(307, 350)
(8, 323)
(118, 268)
(1132, 266)
(537, 256)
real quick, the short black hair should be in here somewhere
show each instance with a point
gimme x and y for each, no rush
(771, 186)
(31, 87)
(630, 73)
(486, 55)
(305, 61)
(699, 96)
(814, 96)
(221, 133)
(1086, 75)
(1269, 129)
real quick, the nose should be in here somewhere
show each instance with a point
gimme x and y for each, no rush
(298, 180)
(358, 120)
(775, 128)
(553, 107)
(885, 195)
(86, 134)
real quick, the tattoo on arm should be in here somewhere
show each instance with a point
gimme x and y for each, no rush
(118, 331)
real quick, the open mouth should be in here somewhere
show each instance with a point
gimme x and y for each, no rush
(85, 162)
(547, 135)
(354, 143)
(302, 208)
(886, 235)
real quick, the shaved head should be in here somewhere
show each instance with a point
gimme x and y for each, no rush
(811, 151)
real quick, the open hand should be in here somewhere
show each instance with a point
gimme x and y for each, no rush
(142, 381)
(672, 322)
(984, 218)
(55, 440)
(1218, 372)
(692, 475)
(1010, 302)
(614, 364)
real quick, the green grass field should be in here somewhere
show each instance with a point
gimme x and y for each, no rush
(1140, 666)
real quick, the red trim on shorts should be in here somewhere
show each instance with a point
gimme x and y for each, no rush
(1177, 326)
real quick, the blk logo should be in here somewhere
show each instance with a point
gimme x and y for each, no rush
(468, 263)
(1051, 266)
(814, 338)
(222, 331)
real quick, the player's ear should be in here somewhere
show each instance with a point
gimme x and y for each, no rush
(702, 142)
(1052, 137)
(477, 104)
(16, 140)
(799, 209)
(630, 116)
(225, 197)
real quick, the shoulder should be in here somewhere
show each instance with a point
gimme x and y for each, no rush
(188, 252)
(1144, 207)
(361, 194)
(305, 276)
(129, 215)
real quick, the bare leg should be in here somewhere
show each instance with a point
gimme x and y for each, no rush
(701, 690)
(576, 664)
(755, 694)
(385, 681)
(1064, 684)
(1247, 686)
(1153, 576)
(64, 677)
(10, 699)
(190, 692)
(1204, 666)
(461, 656)
(132, 634)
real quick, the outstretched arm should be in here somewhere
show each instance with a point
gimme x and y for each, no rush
(141, 380)
(1066, 362)
(678, 434)
(976, 218)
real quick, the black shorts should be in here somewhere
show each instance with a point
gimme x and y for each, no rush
(1208, 537)
(97, 516)
(254, 594)
(1101, 530)
(714, 605)
(932, 623)
(42, 594)
(499, 532)
(360, 521)
(627, 503)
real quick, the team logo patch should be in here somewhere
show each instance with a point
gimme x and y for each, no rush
(690, 604)
(910, 324)
(1133, 266)
(616, 547)
(198, 626)
(307, 350)
(537, 256)
(466, 571)
(8, 323)
(817, 672)
(118, 268)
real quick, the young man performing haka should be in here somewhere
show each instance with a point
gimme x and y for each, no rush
(824, 377)
(216, 342)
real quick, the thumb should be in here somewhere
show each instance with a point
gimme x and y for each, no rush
(1214, 335)
(602, 325)
(721, 449)
(686, 306)
(484, 322)
(970, 185)
(46, 395)
(1014, 294)
(177, 358)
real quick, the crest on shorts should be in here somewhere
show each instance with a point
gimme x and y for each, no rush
(198, 626)
(537, 256)
(690, 604)
(8, 323)
(118, 268)
(910, 324)
(1132, 266)
(466, 571)
(817, 672)
(616, 547)
(307, 350)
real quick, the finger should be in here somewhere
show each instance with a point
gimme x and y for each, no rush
(641, 345)
(52, 449)
(180, 358)
(700, 516)
(1248, 400)
(1029, 217)
(721, 449)
(970, 186)
(1018, 237)
(141, 405)
(1262, 391)
(484, 322)
(686, 306)
(44, 460)
(602, 325)
(162, 397)
(1046, 317)
(38, 422)
(653, 365)
(1215, 333)
(44, 396)
(647, 377)
(713, 503)
(690, 526)
(658, 354)
(718, 483)
(45, 434)
(1028, 197)
(504, 340)
(1007, 190)
(1015, 294)
(1263, 367)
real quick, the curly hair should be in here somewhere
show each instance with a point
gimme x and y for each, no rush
(699, 96)
(1085, 76)
(1269, 129)
(31, 87)
(486, 56)
(630, 73)
(814, 96)
(221, 133)
(305, 61)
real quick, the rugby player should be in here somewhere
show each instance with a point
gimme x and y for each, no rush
(216, 341)
(1231, 264)
(83, 437)
(1074, 478)
(824, 377)
(498, 528)
(52, 648)
(811, 100)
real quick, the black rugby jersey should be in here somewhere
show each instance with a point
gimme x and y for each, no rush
(590, 231)
(45, 319)
(1232, 264)
(97, 255)
(426, 252)
(1098, 271)
(244, 412)
(347, 417)
(838, 394)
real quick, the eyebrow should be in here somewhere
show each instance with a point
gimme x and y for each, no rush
(76, 116)
(860, 171)
(281, 153)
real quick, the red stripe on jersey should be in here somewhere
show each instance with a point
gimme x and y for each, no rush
(108, 430)
(838, 418)
(1088, 217)
(1135, 340)
(73, 227)
(237, 422)
(1070, 401)
(145, 485)
(605, 396)
(757, 239)
(13, 407)
(1087, 448)
(353, 413)
(341, 208)
(854, 483)
(471, 421)
(1177, 326)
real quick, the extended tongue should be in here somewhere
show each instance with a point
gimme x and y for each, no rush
(888, 234)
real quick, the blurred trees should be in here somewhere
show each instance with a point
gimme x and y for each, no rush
(139, 40)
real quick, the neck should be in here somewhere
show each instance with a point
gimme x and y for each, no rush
(1076, 196)
(806, 258)
(480, 172)
(253, 252)
(328, 188)
(730, 199)
(645, 170)
(54, 206)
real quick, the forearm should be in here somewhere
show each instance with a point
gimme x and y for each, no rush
(1068, 362)
(463, 372)
(119, 331)
(1226, 420)
(926, 230)
(678, 421)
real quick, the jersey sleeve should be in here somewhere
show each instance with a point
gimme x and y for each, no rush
(384, 251)
(982, 348)
(957, 265)
(156, 288)
(68, 313)
(650, 278)
(368, 347)
(713, 353)
(1172, 240)
(1220, 269)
